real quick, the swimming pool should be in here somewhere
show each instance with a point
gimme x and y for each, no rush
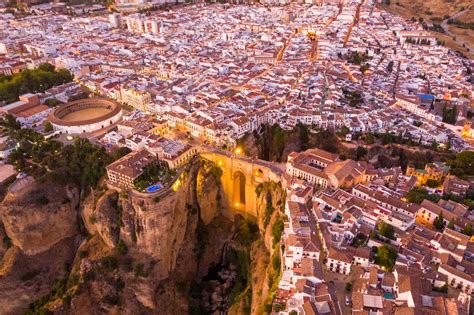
(153, 188)
(388, 296)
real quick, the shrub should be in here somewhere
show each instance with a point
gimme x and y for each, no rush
(82, 253)
(122, 247)
(7, 241)
(276, 262)
(109, 263)
(348, 286)
(386, 257)
(42, 200)
(277, 230)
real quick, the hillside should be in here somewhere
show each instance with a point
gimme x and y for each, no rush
(439, 11)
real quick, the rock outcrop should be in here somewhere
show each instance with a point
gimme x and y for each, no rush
(143, 253)
(106, 218)
(41, 228)
(39, 216)
(208, 191)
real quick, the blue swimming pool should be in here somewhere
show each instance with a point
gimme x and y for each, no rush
(153, 188)
(388, 296)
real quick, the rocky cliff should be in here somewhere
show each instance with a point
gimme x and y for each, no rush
(143, 254)
(40, 238)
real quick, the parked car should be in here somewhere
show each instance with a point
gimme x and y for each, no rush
(347, 300)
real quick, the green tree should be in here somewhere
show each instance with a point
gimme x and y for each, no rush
(369, 138)
(390, 66)
(44, 77)
(418, 194)
(344, 131)
(463, 164)
(451, 224)
(48, 127)
(360, 152)
(386, 230)
(277, 230)
(449, 115)
(120, 152)
(438, 222)
(386, 257)
(468, 229)
(51, 102)
(432, 183)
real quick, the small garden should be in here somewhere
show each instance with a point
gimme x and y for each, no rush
(153, 173)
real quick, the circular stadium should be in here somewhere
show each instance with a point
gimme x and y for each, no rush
(86, 115)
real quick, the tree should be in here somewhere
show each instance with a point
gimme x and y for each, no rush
(51, 102)
(463, 164)
(369, 138)
(344, 131)
(451, 224)
(120, 152)
(32, 81)
(277, 229)
(390, 66)
(348, 286)
(418, 194)
(386, 257)
(386, 230)
(449, 115)
(432, 183)
(360, 152)
(387, 138)
(468, 230)
(438, 222)
(48, 127)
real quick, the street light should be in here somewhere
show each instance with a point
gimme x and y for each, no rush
(238, 151)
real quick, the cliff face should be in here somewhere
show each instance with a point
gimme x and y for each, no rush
(157, 244)
(36, 219)
(40, 236)
(143, 254)
(258, 296)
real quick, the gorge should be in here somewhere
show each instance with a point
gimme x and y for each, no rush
(105, 251)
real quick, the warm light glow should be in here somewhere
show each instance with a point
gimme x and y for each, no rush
(69, 138)
(176, 185)
(238, 150)
(237, 204)
(220, 162)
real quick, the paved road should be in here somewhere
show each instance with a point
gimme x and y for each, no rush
(458, 41)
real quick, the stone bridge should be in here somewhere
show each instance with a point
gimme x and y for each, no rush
(241, 176)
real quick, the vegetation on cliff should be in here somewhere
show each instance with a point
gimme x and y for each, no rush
(272, 143)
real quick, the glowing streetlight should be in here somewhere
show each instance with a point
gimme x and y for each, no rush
(238, 150)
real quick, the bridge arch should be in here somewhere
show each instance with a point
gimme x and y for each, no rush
(239, 189)
(240, 177)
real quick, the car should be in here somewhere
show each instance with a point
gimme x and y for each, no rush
(347, 300)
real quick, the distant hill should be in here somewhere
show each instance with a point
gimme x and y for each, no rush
(439, 11)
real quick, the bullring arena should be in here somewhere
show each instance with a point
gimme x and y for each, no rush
(86, 115)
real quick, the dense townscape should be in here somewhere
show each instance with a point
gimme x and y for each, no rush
(151, 89)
